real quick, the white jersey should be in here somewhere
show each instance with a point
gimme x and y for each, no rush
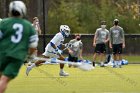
(57, 40)
(36, 28)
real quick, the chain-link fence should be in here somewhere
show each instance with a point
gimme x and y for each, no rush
(132, 43)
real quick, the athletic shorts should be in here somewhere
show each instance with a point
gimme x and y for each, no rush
(73, 59)
(100, 48)
(117, 48)
(10, 66)
(51, 54)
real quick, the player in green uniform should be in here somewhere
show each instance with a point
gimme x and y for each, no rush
(17, 36)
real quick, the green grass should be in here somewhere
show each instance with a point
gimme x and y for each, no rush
(130, 58)
(45, 79)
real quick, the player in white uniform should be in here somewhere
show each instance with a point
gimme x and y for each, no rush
(52, 49)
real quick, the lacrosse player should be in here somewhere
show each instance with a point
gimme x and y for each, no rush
(76, 46)
(117, 42)
(52, 49)
(99, 42)
(36, 25)
(17, 36)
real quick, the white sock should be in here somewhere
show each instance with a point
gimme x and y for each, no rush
(102, 63)
(61, 70)
(33, 65)
(115, 62)
(120, 62)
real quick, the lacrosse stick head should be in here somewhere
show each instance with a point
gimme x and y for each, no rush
(85, 66)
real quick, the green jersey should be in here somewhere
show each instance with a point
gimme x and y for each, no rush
(116, 35)
(16, 34)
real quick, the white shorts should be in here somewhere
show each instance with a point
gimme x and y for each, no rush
(50, 54)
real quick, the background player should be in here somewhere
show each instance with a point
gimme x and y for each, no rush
(117, 42)
(52, 49)
(99, 42)
(76, 46)
(16, 36)
(36, 25)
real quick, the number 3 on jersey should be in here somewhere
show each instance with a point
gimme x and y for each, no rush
(18, 35)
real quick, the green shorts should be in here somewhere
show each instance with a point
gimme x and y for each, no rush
(10, 66)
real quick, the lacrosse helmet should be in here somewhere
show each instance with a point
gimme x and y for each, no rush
(17, 8)
(65, 30)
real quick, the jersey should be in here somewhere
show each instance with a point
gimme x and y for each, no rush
(102, 35)
(16, 35)
(76, 47)
(36, 27)
(116, 35)
(57, 40)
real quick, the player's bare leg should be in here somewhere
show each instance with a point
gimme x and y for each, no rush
(37, 63)
(62, 73)
(4, 80)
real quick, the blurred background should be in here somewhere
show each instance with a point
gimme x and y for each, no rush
(83, 16)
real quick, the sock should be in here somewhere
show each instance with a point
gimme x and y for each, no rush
(33, 65)
(115, 63)
(102, 63)
(61, 70)
(93, 63)
(120, 63)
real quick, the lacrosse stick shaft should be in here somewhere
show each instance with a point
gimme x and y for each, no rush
(58, 61)
(82, 66)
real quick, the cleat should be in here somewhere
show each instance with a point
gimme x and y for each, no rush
(102, 65)
(63, 74)
(28, 70)
(114, 66)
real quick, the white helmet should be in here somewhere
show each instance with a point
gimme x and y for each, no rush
(18, 6)
(65, 29)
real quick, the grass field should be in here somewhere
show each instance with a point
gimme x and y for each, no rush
(130, 58)
(45, 79)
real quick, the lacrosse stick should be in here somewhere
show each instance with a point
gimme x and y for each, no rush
(82, 66)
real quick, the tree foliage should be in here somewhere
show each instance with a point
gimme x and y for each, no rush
(84, 16)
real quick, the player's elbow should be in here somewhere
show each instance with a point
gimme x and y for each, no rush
(52, 44)
(33, 44)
